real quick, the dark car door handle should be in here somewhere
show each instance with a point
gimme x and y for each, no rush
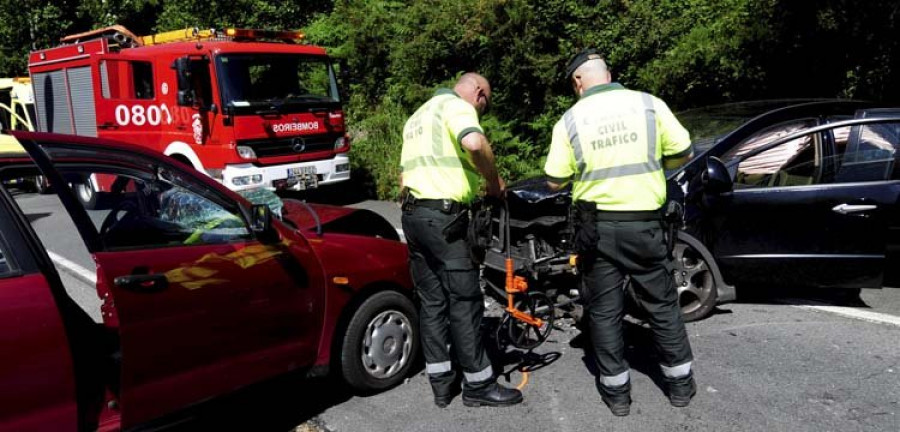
(853, 208)
(142, 283)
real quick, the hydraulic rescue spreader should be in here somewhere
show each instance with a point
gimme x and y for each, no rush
(528, 328)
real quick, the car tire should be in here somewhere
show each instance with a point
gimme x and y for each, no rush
(381, 342)
(696, 278)
(86, 194)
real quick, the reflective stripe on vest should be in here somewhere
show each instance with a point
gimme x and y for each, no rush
(437, 129)
(437, 158)
(440, 162)
(651, 165)
(437, 166)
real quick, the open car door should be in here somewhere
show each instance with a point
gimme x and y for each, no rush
(37, 369)
(201, 305)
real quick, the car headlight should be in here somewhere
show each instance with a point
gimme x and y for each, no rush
(246, 152)
(247, 180)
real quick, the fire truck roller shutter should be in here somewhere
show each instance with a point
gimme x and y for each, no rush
(52, 97)
(52, 103)
(81, 89)
(179, 148)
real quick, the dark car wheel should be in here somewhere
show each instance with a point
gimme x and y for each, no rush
(381, 342)
(695, 280)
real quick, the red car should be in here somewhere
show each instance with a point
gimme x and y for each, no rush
(202, 293)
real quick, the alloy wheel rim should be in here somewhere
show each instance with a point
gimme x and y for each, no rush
(387, 344)
(693, 278)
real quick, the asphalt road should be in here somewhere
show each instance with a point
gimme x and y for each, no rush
(763, 364)
(758, 367)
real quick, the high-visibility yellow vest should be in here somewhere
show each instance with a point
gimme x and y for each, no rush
(434, 164)
(611, 144)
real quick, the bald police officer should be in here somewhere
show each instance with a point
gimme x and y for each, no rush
(613, 145)
(444, 150)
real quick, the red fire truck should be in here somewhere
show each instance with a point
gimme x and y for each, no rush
(249, 108)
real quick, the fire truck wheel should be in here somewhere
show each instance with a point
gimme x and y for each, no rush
(86, 194)
(381, 342)
(41, 185)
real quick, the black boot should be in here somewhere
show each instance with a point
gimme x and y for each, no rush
(445, 387)
(618, 399)
(492, 394)
(680, 390)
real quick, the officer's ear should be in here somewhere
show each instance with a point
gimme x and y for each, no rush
(576, 84)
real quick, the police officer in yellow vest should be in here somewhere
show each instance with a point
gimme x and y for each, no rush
(613, 145)
(444, 150)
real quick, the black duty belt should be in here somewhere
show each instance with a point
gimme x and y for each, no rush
(443, 205)
(628, 216)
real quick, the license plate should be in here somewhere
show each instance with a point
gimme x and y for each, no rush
(302, 177)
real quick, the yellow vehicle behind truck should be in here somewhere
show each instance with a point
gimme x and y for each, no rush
(17, 113)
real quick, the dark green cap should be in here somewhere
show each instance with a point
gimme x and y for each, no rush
(580, 58)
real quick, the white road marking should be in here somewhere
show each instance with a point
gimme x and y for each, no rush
(854, 313)
(402, 236)
(75, 269)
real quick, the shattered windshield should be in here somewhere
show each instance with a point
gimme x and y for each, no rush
(275, 81)
(264, 196)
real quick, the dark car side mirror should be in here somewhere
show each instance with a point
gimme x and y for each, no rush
(716, 178)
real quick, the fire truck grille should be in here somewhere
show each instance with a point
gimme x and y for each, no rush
(290, 146)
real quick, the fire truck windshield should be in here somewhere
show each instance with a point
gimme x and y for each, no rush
(252, 83)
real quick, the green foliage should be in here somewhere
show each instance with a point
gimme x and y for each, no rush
(26, 27)
(262, 14)
(691, 53)
(375, 148)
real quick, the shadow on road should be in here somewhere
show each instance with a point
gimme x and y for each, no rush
(639, 352)
(280, 404)
(36, 216)
(505, 358)
(813, 296)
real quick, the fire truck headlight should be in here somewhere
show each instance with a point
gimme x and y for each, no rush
(246, 152)
(247, 180)
(340, 143)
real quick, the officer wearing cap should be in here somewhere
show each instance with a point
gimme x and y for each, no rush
(444, 150)
(613, 145)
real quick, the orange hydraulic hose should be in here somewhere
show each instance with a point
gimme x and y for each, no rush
(524, 381)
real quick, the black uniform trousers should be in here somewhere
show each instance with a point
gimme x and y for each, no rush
(638, 249)
(451, 302)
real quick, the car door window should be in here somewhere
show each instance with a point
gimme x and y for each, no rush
(868, 153)
(140, 211)
(791, 163)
